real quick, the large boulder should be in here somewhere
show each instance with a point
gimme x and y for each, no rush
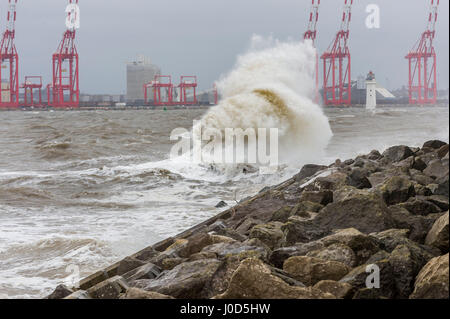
(298, 230)
(305, 209)
(135, 294)
(361, 244)
(241, 250)
(186, 281)
(331, 182)
(310, 271)
(254, 280)
(398, 153)
(337, 289)
(421, 178)
(397, 189)
(270, 234)
(438, 235)
(278, 256)
(419, 164)
(437, 169)
(418, 225)
(260, 208)
(358, 278)
(79, 295)
(377, 179)
(335, 252)
(418, 206)
(349, 246)
(281, 215)
(441, 201)
(359, 178)
(171, 263)
(128, 264)
(221, 279)
(406, 262)
(443, 151)
(347, 192)
(146, 271)
(247, 224)
(442, 186)
(391, 239)
(195, 244)
(434, 144)
(320, 197)
(230, 233)
(433, 280)
(60, 292)
(308, 171)
(427, 158)
(374, 155)
(109, 289)
(367, 213)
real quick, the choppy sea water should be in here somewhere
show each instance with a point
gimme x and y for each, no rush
(89, 188)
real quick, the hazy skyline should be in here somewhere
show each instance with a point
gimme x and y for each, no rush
(204, 37)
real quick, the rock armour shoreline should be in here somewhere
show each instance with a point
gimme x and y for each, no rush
(311, 237)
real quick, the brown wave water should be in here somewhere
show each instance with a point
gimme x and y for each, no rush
(88, 188)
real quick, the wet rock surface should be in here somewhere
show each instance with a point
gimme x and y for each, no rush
(373, 227)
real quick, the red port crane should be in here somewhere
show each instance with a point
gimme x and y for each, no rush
(32, 84)
(9, 97)
(311, 34)
(188, 83)
(162, 90)
(337, 88)
(422, 82)
(65, 90)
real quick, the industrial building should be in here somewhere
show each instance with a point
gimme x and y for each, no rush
(139, 72)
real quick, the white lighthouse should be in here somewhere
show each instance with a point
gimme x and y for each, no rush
(371, 86)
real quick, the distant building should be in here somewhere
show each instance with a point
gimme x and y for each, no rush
(139, 72)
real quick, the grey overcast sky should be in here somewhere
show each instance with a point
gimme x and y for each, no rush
(203, 37)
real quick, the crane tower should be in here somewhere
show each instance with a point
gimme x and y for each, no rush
(337, 88)
(311, 34)
(65, 90)
(422, 83)
(9, 70)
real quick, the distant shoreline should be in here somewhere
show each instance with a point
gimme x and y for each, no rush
(197, 107)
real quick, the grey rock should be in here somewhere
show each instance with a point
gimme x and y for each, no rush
(109, 289)
(439, 234)
(434, 144)
(60, 292)
(397, 190)
(186, 281)
(433, 280)
(398, 153)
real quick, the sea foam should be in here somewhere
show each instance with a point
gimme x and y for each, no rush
(272, 86)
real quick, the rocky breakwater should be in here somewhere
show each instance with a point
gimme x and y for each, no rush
(312, 237)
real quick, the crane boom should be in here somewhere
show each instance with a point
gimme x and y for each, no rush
(337, 88)
(65, 87)
(311, 32)
(9, 60)
(422, 82)
(433, 16)
(347, 16)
